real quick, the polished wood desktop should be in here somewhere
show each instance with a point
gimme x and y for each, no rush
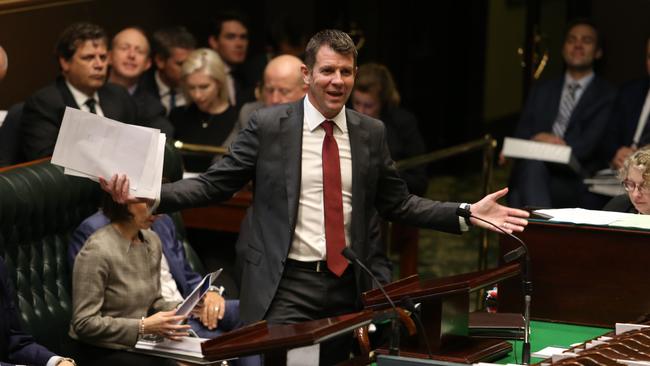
(582, 274)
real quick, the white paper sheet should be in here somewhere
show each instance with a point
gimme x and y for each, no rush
(92, 146)
(527, 149)
(582, 216)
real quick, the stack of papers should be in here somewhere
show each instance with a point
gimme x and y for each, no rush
(92, 146)
(542, 151)
(605, 182)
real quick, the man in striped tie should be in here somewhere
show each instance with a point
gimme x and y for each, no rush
(570, 110)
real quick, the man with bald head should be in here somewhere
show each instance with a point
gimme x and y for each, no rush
(129, 58)
(282, 83)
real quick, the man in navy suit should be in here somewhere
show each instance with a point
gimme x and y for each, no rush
(82, 55)
(571, 110)
(177, 278)
(16, 346)
(628, 127)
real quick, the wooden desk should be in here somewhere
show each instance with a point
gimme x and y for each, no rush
(590, 275)
(226, 216)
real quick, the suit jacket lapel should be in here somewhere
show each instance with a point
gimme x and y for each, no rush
(68, 99)
(291, 139)
(359, 150)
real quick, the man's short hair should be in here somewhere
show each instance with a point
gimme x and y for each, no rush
(216, 23)
(587, 22)
(77, 34)
(172, 37)
(137, 29)
(337, 40)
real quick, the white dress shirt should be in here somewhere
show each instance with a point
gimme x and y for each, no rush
(168, 288)
(643, 119)
(165, 96)
(80, 98)
(309, 238)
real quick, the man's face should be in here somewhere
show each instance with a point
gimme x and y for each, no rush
(580, 48)
(170, 68)
(282, 87)
(232, 42)
(129, 56)
(330, 82)
(86, 69)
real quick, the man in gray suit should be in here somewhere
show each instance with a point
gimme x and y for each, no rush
(294, 270)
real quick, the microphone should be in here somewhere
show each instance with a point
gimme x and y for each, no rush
(517, 253)
(393, 348)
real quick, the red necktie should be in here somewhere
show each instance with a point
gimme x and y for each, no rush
(333, 202)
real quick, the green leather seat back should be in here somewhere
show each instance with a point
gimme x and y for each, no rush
(39, 208)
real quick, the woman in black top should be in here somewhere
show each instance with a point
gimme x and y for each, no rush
(209, 119)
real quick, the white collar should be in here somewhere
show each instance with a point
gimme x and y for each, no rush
(313, 117)
(80, 97)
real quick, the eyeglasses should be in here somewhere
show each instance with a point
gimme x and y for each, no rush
(629, 186)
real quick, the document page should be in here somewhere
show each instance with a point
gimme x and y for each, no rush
(92, 146)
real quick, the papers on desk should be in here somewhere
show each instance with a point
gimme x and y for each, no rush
(187, 346)
(533, 150)
(92, 146)
(605, 182)
(595, 217)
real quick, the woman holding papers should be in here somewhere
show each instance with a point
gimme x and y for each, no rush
(635, 177)
(209, 119)
(116, 284)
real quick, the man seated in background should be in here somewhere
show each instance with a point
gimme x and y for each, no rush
(229, 38)
(83, 59)
(171, 46)
(629, 124)
(570, 110)
(129, 58)
(177, 279)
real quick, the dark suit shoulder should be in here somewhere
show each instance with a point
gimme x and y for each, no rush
(48, 96)
(620, 203)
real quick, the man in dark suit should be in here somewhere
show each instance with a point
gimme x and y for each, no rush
(82, 55)
(628, 126)
(319, 171)
(129, 59)
(171, 46)
(16, 346)
(229, 38)
(571, 110)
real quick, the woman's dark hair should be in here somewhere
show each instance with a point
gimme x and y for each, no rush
(116, 212)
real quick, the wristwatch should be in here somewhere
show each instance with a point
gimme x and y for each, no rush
(219, 289)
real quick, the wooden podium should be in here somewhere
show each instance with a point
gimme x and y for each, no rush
(582, 274)
(445, 315)
(275, 340)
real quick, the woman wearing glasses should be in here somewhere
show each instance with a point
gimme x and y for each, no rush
(635, 176)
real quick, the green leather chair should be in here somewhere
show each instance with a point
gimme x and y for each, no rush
(40, 207)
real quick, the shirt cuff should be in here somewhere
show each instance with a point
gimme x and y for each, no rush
(462, 221)
(53, 360)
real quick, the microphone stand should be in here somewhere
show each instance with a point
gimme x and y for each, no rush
(514, 254)
(393, 348)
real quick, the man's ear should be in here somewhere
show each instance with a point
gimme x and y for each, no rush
(160, 62)
(305, 74)
(213, 42)
(147, 64)
(599, 54)
(64, 64)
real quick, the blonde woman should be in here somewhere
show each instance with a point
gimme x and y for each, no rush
(635, 177)
(209, 119)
